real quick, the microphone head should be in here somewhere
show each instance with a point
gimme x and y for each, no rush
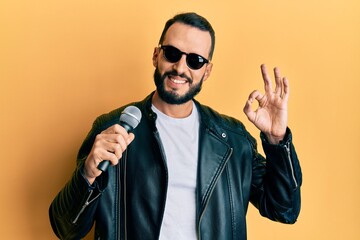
(131, 116)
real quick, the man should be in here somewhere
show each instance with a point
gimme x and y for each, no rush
(190, 172)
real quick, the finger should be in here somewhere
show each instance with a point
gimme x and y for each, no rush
(120, 129)
(279, 84)
(248, 110)
(101, 154)
(116, 128)
(112, 143)
(109, 130)
(116, 149)
(131, 138)
(123, 136)
(256, 95)
(111, 137)
(250, 113)
(266, 78)
(114, 133)
(286, 89)
(120, 145)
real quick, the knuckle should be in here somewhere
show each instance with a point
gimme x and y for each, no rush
(98, 137)
(114, 160)
(119, 138)
(117, 148)
(116, 127)
(96, 151)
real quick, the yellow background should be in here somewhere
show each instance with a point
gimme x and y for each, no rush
(62, 63)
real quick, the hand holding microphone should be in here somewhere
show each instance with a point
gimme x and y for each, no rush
(111, 143)
(129, 119)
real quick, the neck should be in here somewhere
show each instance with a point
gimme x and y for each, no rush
(172, 110)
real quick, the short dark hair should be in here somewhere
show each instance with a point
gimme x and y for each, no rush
(193, 20)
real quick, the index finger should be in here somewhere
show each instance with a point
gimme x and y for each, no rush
(115, 129)
(266, 78)
(278, 81)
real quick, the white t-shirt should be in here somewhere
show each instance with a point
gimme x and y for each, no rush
(180, 139)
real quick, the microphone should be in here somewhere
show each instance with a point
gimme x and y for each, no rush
(129, 119)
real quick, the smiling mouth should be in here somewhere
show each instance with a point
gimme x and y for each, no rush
(177, 81)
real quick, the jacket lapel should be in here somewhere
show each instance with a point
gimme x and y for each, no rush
(214, 153)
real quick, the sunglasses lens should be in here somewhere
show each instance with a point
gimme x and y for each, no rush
(195, 61)
(172, 54)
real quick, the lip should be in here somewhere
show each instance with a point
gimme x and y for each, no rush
(177, 80)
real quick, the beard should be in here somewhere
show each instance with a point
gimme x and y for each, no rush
(171, 97)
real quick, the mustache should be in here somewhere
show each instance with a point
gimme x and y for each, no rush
(175, 73)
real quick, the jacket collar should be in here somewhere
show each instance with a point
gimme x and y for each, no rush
(206, 116)
(214, 150)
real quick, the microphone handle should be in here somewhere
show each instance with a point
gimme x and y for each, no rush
(103, 165)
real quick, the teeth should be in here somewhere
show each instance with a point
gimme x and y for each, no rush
(178, 81)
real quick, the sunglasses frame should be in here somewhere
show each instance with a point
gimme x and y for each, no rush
(188, 55)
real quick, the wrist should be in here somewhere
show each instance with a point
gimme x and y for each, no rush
(271, 139)
(274, 140)
(89, 179)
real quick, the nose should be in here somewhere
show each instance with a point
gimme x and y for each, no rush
(181, 65)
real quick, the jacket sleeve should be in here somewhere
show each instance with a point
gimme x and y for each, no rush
(73, 210)
(276, 181)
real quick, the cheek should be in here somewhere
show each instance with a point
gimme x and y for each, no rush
(161, 64)
(198, 76)
(166, 67)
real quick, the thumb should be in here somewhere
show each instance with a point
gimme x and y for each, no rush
(130, 138)
(249, 112)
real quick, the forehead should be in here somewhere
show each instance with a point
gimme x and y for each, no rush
(188, 39)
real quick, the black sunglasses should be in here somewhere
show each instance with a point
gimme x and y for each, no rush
(193, 60)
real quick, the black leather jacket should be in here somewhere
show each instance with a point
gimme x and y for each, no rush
(230, 174)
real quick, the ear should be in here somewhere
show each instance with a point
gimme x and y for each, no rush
(208, 71)
(155, 56)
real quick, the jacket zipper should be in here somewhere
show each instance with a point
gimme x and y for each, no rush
(87, 203)
(124, 161)
(118, 206)
(287, 147)
(121, 196)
